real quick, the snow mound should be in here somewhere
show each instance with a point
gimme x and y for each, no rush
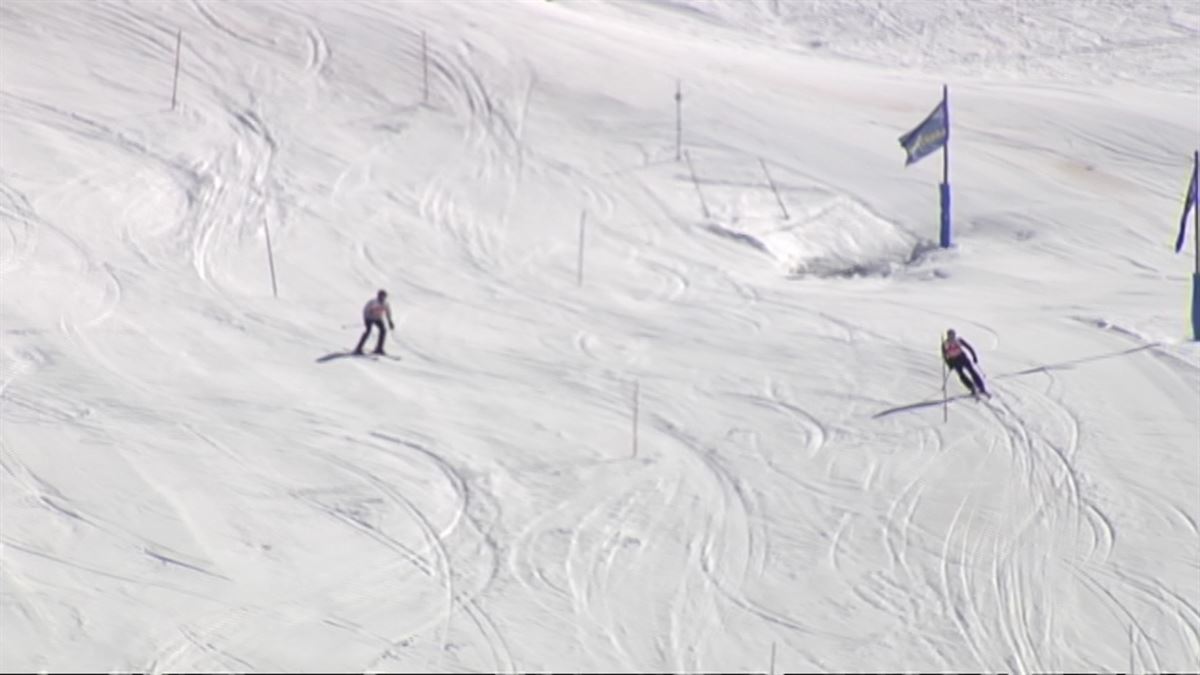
(832, 236)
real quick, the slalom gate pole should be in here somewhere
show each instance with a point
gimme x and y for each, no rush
(270, 258)
(175, 80)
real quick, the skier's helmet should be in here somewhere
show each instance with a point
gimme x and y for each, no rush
(950, 334)
(382, 294)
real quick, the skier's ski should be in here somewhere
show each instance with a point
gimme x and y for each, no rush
(376, 357)
(370, 356)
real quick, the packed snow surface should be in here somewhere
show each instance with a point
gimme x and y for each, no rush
(713, 439)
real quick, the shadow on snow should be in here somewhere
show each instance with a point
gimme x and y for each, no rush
(1062, 365)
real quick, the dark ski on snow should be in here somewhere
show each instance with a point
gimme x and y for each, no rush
(352, 355)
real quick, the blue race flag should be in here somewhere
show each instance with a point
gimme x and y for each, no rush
(929, 136)
(1189, 203)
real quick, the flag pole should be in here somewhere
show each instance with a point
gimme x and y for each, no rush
(1196, 244)
(944, 192)
(946, 146)
(1196, 211)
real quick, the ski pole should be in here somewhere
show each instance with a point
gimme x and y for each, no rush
(945, 399)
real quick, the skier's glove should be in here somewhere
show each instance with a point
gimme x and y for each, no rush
(391, 326)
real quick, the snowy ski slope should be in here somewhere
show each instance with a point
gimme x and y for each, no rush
(185, 488)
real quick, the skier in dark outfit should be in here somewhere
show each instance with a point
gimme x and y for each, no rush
(376, 310)
(954, 352)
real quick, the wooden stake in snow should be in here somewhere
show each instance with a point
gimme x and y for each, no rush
(696, 182)
(175, 82)
(424, 69)
(270, 259)
(773, 189)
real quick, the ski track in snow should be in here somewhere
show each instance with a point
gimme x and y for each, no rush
(433, 558)
(477, 505)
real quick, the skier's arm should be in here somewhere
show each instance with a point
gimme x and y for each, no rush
(967, 346)
(391, 325)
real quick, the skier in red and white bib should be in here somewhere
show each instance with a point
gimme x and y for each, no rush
(376, 310)
(954, 352)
